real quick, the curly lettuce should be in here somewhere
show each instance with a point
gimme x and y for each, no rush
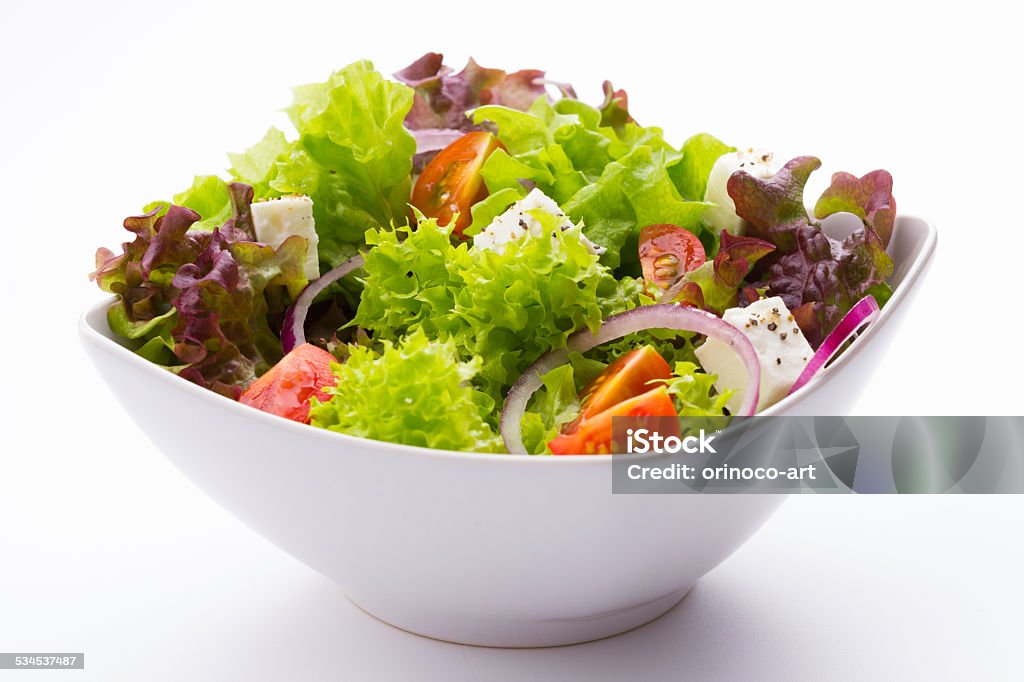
(508, 308)
(413, 392)
(693, 392)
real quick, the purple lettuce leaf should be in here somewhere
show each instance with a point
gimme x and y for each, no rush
(443, 98)
(205, 295)
(819, 278)
(615, 107)
(868, 197)
(774, 207)
(716, 285)
(141, 274)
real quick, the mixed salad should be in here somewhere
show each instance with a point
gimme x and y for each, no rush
(479, 261)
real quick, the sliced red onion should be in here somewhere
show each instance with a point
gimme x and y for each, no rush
(866, 311)
(293, 332)
(659, 316)
(435, 139)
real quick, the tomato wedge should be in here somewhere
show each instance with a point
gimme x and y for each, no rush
(451, 182)
(623, 389)
(593, 436)
(286, 388)
(625, 378)
(667, 252)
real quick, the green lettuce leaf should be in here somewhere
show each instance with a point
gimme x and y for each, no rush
(414, 392)
(257, 166)
(693, 392)
(599, 166)
(353, 156)
(208, 196)
(553, 405)
(699, 155)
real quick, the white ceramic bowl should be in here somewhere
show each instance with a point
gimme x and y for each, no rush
(480, 549)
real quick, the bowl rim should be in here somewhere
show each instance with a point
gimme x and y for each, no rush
(99, 340)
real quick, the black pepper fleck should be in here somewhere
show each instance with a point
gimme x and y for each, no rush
(778, 361)
(753, 322)
(783, 336)
(772, 326)
(796, 330)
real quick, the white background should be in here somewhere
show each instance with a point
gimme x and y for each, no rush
(105, 548)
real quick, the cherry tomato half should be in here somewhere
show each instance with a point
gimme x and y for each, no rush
(667, 252)
(286, 388)
(451, 182)
(594, 436)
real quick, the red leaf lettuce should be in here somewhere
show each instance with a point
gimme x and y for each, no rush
(198, 301)
(819, 278)
(444, 98)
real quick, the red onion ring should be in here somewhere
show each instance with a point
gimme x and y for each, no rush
(866, 311)
(434, 139)
(293, 332)
(658, 316)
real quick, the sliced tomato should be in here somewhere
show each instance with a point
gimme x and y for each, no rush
(593, 436)
(286, 388)
(627, 377)
(451, 182)
(667, 252)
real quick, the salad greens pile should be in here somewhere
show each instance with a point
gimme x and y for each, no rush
(435, 328)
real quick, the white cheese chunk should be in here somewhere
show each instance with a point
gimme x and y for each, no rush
(782, 352)
(722, 216)
(277, 219)
(517, 221)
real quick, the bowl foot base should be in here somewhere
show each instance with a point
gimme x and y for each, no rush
(510, 633)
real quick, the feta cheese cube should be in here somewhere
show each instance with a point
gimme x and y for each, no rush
(782, 352)
(517, 221)
(277, 219)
